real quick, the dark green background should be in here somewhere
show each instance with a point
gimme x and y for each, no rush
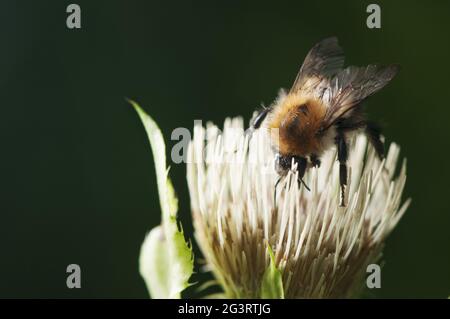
(77, 177)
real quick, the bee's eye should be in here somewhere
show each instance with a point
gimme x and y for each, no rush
(304, 108)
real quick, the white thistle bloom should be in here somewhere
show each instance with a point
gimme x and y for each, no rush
(321, 249)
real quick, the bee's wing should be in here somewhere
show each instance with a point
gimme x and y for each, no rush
(325, 59)
(354, 84)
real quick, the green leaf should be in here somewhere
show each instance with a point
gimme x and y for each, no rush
(166, 260)
(153, 261)
(272, 281)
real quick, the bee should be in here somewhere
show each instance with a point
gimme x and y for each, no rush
(322, 108)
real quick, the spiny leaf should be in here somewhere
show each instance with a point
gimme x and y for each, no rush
(166, 261)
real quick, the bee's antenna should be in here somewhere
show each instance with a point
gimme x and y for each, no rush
(275, 192)
(301, 181)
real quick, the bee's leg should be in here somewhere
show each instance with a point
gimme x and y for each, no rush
(341, 145)
(256, 123)
(301, 168)
(373, 132)
(314, 160)
(275, 191)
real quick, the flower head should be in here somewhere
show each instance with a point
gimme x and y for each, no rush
(320, 248)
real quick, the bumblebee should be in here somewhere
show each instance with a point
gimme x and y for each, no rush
(323, 106)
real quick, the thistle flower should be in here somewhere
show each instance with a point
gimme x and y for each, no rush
(298, 243)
